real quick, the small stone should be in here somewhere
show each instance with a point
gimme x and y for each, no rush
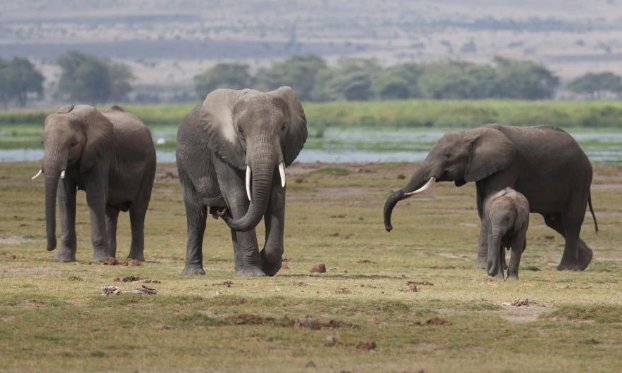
(330, 341)
(366, 345)
(319, 268)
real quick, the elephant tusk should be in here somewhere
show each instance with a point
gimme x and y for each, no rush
(62, 174)
(37, 175)
(282, 173)
(248, 182)
(426, 186)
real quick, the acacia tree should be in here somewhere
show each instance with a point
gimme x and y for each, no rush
(18, 78)
(222, 75)
(398, 82)
(526, 80)
(299, 72)
(596, 84)
(350, 81)
(92, 79)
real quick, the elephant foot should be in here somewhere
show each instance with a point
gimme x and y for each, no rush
(268, 267)
(585, 255)
(66, 256)
(193, 269)
(481, 263)
(100, 256)
(250, 272)
(512, 277)
(140, 257)
(566, 266)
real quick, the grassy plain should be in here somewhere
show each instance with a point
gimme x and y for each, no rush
(54, 318)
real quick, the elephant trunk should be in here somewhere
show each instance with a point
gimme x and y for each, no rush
(260, 179)
(419, 182)
(52, 168)
(494, 252)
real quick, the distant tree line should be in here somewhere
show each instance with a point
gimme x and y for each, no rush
(359, 79)
(96, 80)
(84, 78)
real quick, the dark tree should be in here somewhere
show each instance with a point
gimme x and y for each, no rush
(596, 84)
(223, 75)
(350, 81)
(526, 80)
(91, 79)
(299, 72)
(18, 78)
(398, 82)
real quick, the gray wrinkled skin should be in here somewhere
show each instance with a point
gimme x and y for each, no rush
(110, 155)
(216, 142)
(544, 163)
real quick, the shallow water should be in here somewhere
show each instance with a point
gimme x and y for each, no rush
(403, 145)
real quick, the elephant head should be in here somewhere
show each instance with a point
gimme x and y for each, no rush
(257, 132)
(73, 136)
(461, 157)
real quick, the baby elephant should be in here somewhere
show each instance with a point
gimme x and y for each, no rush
(506, 219)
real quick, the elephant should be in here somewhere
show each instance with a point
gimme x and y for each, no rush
(544, 163)
(232, 151)
(108, 154)
(506, 220)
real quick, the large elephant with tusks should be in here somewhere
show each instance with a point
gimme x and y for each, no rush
(231, 156)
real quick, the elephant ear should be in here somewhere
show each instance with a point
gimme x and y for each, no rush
(98, 132)
(491, 151)
(217, 121)
(297, 134)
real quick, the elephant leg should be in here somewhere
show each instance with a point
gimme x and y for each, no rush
(196, 219)
(482, 251)
(518, 246)
(274, 219)
(112, 216)
(67, 211)
(96, 187)
(137, 222)
(245, 247)
(577, 255)
(246, 253)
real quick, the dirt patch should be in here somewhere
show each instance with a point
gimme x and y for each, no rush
(16, 240)
(523, 314)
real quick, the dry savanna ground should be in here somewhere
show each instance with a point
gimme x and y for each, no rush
(405, 301)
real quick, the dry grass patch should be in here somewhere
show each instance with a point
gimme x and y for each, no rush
(412, 294)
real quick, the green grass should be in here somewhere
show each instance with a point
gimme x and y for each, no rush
(53, 317)
(405, 113)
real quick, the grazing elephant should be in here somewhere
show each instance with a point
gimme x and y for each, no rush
(544, 163)
(110, 155)
(231, 156)
(506, 219)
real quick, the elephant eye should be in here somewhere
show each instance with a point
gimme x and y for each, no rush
(447, 155)
(283, 127)
(240, 130)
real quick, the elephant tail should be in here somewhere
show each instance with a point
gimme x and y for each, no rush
(589, 203)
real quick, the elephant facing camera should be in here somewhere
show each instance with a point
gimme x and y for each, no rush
(231, 156)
